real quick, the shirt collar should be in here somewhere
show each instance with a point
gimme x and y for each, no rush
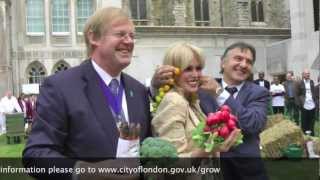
(103, 74)
(224, 85)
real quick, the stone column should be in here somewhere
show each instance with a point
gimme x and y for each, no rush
(243, 12)
(4, 51)
(47, 22)
(215, 13)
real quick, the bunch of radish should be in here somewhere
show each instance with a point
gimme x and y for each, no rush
(222, 122)
(213, 130)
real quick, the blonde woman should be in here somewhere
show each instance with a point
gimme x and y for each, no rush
(179, 111)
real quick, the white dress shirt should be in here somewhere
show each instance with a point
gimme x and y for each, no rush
(261, 83)
(221, 99)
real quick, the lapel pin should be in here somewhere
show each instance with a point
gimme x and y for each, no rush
(131, 93)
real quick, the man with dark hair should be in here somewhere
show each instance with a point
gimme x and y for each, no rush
(246, 99)
(249, 102)
(261, 81)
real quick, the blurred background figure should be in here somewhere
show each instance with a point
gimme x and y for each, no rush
(290, 103)
(307, 101)
(277, 92)
(261, 81)
(317, 94)
(8, 104)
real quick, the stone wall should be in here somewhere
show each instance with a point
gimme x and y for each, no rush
(276, 14)
(230, 13)
(162, 12)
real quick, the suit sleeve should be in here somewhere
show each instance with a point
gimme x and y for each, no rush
(169, 122)
(49, 132)
(298, 95)
(252, 116)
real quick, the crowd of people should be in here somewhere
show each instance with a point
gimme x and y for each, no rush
(296, 97)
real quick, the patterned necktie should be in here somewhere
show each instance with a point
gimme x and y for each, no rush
(231, 90)
(114, 87)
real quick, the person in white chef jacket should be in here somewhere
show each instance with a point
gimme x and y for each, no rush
(8, 104)
(277, 92)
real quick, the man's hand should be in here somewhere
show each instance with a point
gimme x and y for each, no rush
(229, 142)
(224, 147)
(163, 75)
(210, 85)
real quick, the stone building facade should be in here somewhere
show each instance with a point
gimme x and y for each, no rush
(42, 37)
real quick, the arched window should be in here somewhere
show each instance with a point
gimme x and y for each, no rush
(36, 72)
(61, 66)
(257, 14)
(201, 12)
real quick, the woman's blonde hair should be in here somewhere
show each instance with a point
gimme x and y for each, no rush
(181, 54)
(100, 22)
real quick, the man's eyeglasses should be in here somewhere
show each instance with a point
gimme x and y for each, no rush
(123, 35)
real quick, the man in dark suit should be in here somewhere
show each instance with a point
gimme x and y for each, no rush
(77, 112)
(261, 81)
(248, 102)
(306, 98)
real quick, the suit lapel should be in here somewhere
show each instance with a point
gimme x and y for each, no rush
(99, 105)
(242, 93)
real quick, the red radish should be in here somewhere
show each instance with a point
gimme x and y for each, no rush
(224, 132)
(219, 115)
(225, 115)
(225, 108)
(212, 120)
(231, 124)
